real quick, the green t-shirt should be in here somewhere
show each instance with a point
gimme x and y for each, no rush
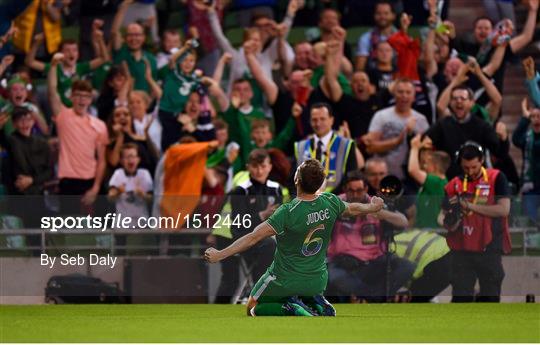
(240, 130)
(176, 90)
(99, 75)
(304, 229)
(137, 68)
(318, 73)
(64, 80)
(429, 201)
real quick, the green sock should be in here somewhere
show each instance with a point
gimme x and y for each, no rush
(269, 309)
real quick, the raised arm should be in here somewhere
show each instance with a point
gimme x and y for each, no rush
(444, 98)
(268, 86)
(331, 70)
(156, 90)
(215, 25)
(220, 67)
(30, 59)
(491, 90)
(5, 63)
(519, 42)
(242, 244)
(100, 48)
(531, 80)
(217, 92)
(116, 35)
(52, 84)
(414, 169)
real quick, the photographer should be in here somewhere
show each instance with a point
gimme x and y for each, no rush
(357, 251)
(475, 213)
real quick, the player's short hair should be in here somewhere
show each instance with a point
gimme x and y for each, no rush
(311, 176)
(81, 85)
(259, 123)
(19, 112)
(258, 156)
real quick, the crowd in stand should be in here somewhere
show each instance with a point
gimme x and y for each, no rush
(115, 109)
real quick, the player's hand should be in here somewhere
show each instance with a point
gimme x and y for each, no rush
(212, 255)
(376, 204)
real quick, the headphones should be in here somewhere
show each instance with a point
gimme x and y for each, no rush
(468, 143)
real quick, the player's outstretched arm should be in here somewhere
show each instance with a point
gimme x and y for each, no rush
(358, 209)
(261, 232)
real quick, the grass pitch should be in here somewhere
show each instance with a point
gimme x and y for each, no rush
(228, 323)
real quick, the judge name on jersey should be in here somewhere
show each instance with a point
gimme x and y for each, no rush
(318, 216)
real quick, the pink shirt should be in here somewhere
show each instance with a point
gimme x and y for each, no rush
(359, 237)
(79, 137)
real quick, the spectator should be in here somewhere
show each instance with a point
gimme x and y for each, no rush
(130, 187)
(480, 46)
(143, 122)
(384, 19)
(428, 169)
(121, 131)
(18, 97)
(258, 39)
(130, 50)
(390, 127)
(329, 21)
(83, 138)
(489, 112)
(337, 154)
(114, 91)
(70, 69)
(449, 133)
(143, 11)
(28, 155)
(479, 236)
(359, 248)
(170, 42)
(531, 81)
(527, 138)
(382, 72)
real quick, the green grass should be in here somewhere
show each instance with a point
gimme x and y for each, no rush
(215, 323)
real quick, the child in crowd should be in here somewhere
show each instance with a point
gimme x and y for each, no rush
(130, 187)
(428, 169)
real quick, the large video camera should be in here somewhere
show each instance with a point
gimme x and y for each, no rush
(390, 189)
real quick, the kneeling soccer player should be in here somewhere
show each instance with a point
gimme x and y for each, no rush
(295, 281)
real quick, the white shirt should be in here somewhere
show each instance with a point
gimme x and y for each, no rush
(325, 141)
(129, 204)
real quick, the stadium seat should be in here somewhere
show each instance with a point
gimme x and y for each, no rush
(241, 294)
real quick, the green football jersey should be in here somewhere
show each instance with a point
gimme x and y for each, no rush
(82, 69)
(304, 229)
